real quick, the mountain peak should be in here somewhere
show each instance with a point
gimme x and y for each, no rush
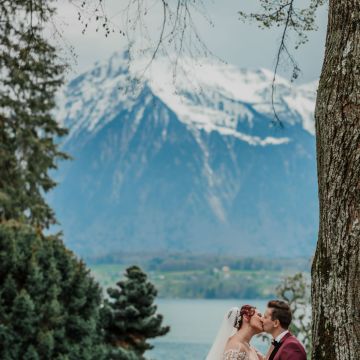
(186, 160)
(205, 94)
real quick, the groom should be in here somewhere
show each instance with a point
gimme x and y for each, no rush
(276, 321)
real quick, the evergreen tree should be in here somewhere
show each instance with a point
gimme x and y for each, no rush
(30, 74)
(130, 316)
(49, 304)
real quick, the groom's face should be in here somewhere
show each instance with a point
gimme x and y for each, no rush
(268, 323)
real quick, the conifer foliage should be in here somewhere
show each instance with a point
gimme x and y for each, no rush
(30, 74)
(130, 316)
(49, 304)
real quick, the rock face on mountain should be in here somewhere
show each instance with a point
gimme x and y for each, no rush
(187, 163)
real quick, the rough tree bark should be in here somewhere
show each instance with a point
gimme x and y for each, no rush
(336, 266)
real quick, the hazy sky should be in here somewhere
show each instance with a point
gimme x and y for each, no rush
(244, 45)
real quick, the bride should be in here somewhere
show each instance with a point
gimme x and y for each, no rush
(233, 339)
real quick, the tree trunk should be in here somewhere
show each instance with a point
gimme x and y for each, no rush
(336, 266)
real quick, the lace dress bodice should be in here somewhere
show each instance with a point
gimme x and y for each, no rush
(235, 355)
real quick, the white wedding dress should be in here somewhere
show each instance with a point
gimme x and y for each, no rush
(227, 329)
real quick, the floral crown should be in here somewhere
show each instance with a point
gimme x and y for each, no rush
(246, 310)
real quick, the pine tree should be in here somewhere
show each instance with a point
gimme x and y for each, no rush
(30, 74)
(49, 303)
(130, 316)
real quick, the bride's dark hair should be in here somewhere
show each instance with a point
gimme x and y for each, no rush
(246, 310)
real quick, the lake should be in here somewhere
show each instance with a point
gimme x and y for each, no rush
(194, 325)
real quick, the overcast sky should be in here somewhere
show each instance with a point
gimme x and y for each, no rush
(244, 45)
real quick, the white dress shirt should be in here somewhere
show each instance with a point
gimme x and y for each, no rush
(280, 336)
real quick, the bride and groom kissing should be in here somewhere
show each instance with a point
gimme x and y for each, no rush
(240, 325)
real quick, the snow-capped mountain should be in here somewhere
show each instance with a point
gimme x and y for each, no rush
(187, 159)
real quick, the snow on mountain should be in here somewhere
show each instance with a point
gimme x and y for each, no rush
(205, 95)
(186, 159)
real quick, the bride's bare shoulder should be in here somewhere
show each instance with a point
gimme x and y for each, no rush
(233, 344)
(235, 351)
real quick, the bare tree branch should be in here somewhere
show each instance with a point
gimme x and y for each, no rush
(300, 20)
(178, 34)
(160, 37)
(281, 48)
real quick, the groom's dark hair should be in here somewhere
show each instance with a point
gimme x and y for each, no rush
(280, 311)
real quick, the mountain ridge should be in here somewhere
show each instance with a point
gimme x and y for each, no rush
(174, 169)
